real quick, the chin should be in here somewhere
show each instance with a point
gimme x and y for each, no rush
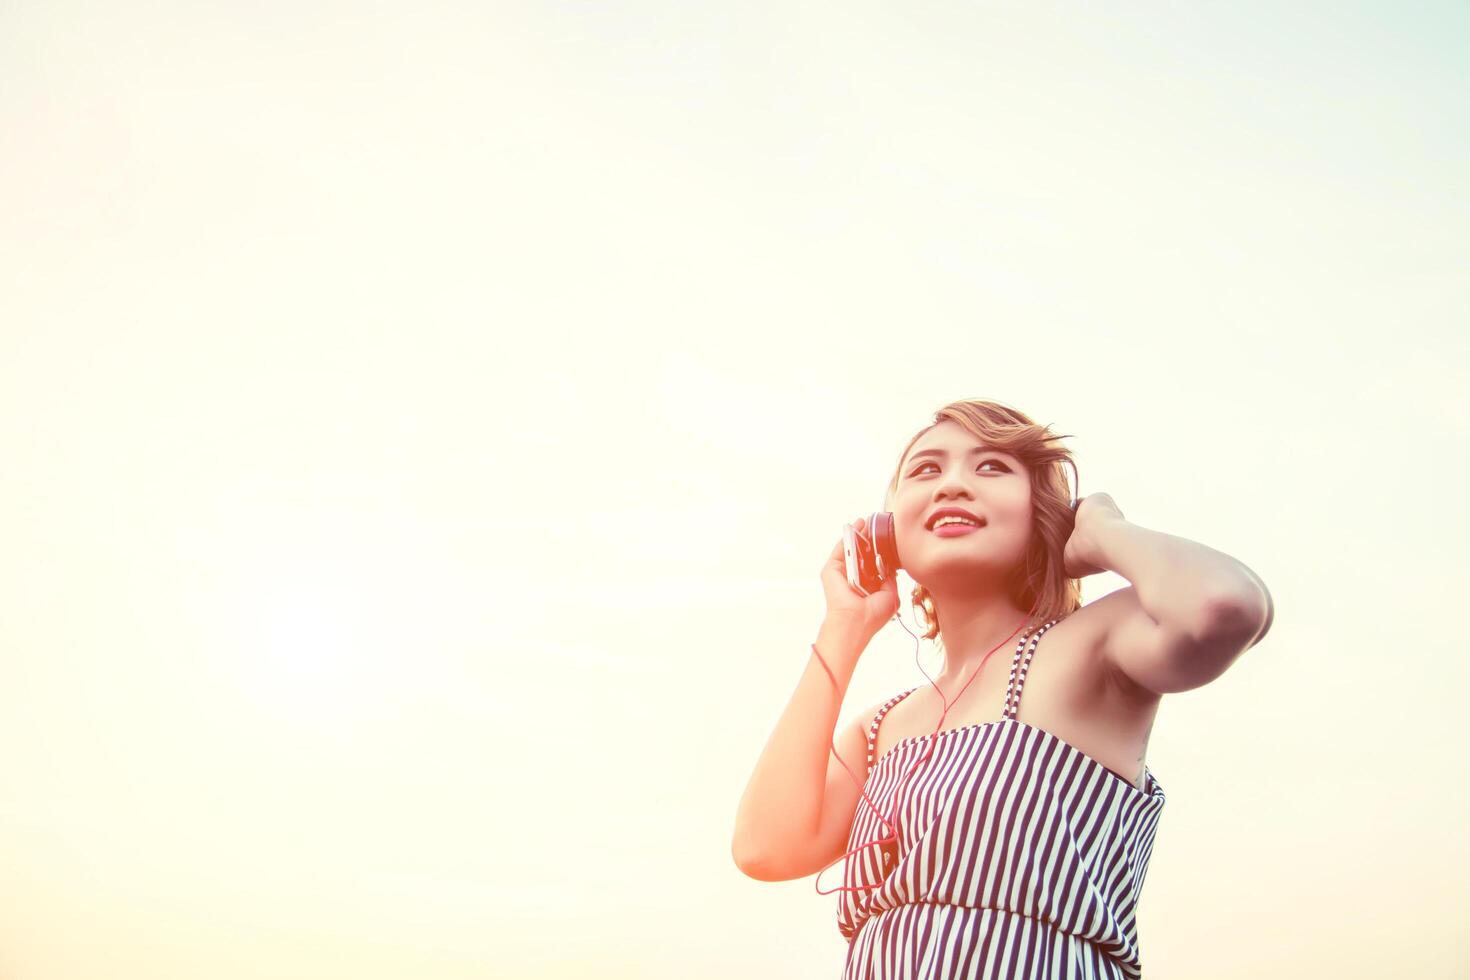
(957, 571)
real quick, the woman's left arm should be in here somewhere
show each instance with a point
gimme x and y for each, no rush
(1191, 610)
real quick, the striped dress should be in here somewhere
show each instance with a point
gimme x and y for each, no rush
(1016, 855)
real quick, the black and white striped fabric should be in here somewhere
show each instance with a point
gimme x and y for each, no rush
(1018, 856)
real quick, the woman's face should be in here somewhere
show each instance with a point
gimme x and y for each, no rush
(948, 467)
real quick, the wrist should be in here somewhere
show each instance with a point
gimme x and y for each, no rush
(840, 643)
(1098, 538)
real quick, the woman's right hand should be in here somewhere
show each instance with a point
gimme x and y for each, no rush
(846, 608)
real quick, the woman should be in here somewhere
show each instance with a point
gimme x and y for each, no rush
(991, 836)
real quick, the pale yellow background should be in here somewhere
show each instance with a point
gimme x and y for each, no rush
(422, 426)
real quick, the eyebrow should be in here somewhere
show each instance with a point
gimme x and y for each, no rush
(978, 450)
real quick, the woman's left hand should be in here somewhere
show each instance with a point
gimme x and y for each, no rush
(1079, 556)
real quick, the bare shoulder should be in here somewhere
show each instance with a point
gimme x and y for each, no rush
(862, 722)
(859, 725)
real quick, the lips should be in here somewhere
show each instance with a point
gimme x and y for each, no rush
(955, 530)
(952, 512)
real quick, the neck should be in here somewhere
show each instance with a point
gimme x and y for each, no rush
(973, 623)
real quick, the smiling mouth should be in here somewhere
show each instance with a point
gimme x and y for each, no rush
(954, 529)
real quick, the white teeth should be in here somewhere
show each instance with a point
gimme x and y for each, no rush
(943, 521)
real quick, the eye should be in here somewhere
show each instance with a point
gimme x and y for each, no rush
(997, 462)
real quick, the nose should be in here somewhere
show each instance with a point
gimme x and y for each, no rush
(951, 486)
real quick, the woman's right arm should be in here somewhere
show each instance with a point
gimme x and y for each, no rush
(796, 813)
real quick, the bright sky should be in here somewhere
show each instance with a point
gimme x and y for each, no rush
(424, 423)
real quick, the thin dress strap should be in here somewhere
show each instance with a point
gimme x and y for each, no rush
(1013, 688)
(1019, 668)
(877, 720)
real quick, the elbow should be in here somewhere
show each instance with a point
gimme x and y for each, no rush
(748, 861)
(1246, 616)
(1266, 618)
(745, 856)
(757, 864)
